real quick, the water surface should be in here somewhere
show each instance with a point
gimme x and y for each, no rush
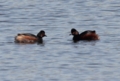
(58, 58)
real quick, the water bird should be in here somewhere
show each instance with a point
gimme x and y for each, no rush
(86, 35)
(30, 38)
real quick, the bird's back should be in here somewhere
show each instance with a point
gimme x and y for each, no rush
(26, 38)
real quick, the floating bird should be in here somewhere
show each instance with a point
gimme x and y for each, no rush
(86, 35)
(30, 38)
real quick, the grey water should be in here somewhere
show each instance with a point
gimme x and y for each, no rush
(59, 58)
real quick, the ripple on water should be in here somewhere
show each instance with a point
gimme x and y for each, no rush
(59, 58)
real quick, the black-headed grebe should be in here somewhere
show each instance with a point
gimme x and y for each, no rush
(30, 38)
(86, 35)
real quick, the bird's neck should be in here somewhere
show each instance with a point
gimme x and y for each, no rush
(40, 40)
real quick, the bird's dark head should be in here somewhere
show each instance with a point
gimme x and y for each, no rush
(74, 32)
(41, 34)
